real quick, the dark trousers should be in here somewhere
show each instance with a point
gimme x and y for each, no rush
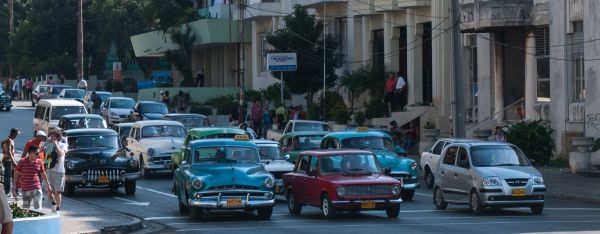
(7, 175)
(257, 127)
(390, 99)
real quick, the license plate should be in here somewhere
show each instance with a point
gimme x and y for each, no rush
(103, 179)
(367, 205)
(234, 201)
(277, 188)
(518, 192)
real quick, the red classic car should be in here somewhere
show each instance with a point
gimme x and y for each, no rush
(335, 180)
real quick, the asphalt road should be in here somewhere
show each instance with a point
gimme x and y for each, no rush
(154, 202)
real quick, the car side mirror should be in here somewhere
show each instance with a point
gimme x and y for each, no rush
(387, 171)
(267, 162)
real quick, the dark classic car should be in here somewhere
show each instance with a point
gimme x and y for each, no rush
(148, 110)
(96, 159)
(341, 180)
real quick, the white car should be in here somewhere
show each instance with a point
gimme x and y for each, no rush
(274, 162)
(153, 142)
(117, 109)
(429, 159)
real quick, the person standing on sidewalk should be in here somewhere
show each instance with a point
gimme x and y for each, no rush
(16, 88)
(28, 88)
(182, 102)
(400, 88)
(257, 113)
(390, 87)
(28, 170)
(267, 122)
(8, 158)
(82, 84)
(96, 103)
(6, 218)
(55, 162)
(281, 114)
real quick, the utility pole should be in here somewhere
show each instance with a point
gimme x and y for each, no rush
(80, 55)
(458, 117)
(324, 59)
(11, 30)
(240, 68)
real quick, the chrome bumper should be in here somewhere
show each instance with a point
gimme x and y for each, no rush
(502, 196)
(209, 200)
(378, 201)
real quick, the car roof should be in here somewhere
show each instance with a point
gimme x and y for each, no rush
(81, 116)
(124, 124)
(150, 102)
(306, 133)
(348, 134)
(113, 97)
(144, 123)
(334, 152)
(61, 86)
(482, 143)
(61, 102)
(265, 142)
(72, 89)
(184, 115)
(212, 130)
(307, 121)
(221, 142)
(99, 92)
(458, 140)
(89, 131)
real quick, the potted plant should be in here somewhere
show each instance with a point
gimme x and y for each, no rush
(29, 221)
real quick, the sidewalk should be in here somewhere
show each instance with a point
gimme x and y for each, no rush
(78, 217)
(561, 184)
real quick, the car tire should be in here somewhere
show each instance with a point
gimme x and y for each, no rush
(69, 189)
(327, 208)
(195, 213)
(130, 187)
(393, 211)
(264, 213)
(182, 208)
(293, 206)
(475, 203)
(144, 171)
(537, 209)
(429, 179)
(438, 199)
(407, 194)
(7, 108)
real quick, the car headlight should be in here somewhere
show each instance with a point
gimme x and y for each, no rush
(491, 181)
(538, 180)
(134, 163)
(341, 191)
(395, 190)
(197, 183)
(269, 182)
(414, 166)
(70, 165)
(151, 152)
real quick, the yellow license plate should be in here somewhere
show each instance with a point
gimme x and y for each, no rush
(103, 179)
(518, 192)
(367, 205)
(277, 189)
(234, 202)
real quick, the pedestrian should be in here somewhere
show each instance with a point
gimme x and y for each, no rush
(61, 80)
(8, 158)
(96, 103)
(395, 133)
(390, 87)
(248, 130)
(256, 115)
(399, 91)
(182, 102)
(6, 217)
(82, 84)
(165, 98)
(16, 88)
(50, 81)
(281, 115)
(200, 78)
(23, 88)
(27, 173)
(499, 135)
(29, 88)
(291, 112)
(55, 152)
(267, 122)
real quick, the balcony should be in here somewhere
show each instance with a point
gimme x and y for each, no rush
(413, 3)
(263, 8)
(490, 15)
(363, 7)
(317, 3)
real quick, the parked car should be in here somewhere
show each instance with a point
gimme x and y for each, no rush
(219, 174)
(203, 133)
(189, 121)
(339, 180)
(96, 159)
(48, 112)
(40, 92)
(487, 174)
(54, 90)
(76, 121)
(153, 142)
(430, 158)
(117, 109)
(5, 101)
(123, 130)
(389, 156)
(298, 126)
(87, 99)
(273, 160)
(148, 110)
(295, 142)
(74, 94)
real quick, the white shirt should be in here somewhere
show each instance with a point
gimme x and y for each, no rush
(400, 83)
(82, 84)
(60, 164)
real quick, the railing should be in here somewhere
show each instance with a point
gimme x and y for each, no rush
(479, 122)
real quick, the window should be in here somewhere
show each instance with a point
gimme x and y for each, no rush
(463, 158)
(473, 88)
(542, 54)
(313, 165)
(303, 164)
(450, 156)
(225, 154)
(437, 149)
(577, 63)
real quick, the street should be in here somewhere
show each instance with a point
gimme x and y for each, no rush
(154, 202)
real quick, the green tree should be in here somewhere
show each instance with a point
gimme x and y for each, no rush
(181, 58)
(304, 36)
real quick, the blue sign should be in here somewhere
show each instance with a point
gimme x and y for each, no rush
(282, 62)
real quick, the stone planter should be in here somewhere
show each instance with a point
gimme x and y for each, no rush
(48, 223)
(482, 134)
(431, 133)
(580, 159)
(583, 144)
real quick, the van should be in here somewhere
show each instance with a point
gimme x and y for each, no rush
(49, 111)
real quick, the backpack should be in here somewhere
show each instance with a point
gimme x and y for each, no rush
(51, 158)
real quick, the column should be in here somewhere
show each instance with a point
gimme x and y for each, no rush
(390, 43)
(485, 73)
(498, 77)
(414, 59)
(255, 55)
(441, 43)
(351, 44)
(530, 78)
(366, 41)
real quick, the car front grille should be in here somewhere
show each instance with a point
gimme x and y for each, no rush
(233, 187)
(96, 174)
(368, 190)
(406, 178)
(517, 182)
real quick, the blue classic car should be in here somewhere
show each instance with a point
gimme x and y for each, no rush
(380, 143)
(223, 174)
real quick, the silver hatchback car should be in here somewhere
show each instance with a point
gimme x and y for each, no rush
(487, 174)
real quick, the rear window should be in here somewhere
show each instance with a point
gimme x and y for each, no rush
(311, 127)
(59, 111)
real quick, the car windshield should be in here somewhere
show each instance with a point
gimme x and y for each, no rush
(85, 123)
(122, 103)
(83, 142)
(225, 154)
(300, 126)
(163, 131)
(190, 121)
(43, 89)
(220, 135)
(307, 142)
(58, 89)
(497, 155)
(349, 165)
(269, 152)
(368, 142)
(59, 111)
(154, 108)
(74, 93)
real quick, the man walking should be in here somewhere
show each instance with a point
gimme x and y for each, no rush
(96, 103)
(257, 114)
(55, 162)
(8, 158)
(400, 87)
(27, 173)
(390, 86)
(16, 88)
(200, 78)
(28, 88)
(82, 84)
(182, 102)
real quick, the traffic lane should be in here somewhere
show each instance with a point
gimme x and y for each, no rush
(21, 118)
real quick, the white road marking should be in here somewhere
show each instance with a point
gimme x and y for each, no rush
(166, 217)
(423, 194)
(158, 192)
(131, 202)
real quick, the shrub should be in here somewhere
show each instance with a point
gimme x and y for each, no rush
(224, 104)
(359, 118)
(429, 125)
(340, 114)
(200, 109)
(313, 112)
(18, 212)
(596, 145)
(252, 95)
(534, 138)
(376, 108)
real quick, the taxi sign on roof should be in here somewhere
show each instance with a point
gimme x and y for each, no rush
(241, 138)
(362, 129)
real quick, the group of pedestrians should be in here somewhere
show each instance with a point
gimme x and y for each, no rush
(395, 92)
(42, 160)
(19, 88)
(182, 101)
(262, 119)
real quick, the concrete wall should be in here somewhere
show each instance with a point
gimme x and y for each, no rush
(592, 68)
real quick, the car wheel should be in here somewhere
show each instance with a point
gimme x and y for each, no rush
(407, 194)
(475, 203)
(69, 189)
(429, 179)
(264, 213)
(130, 187)
(327, 207)
(537, 209)
(293, 206)
(438, 199)
(7, 108)
(393, 211)
(144, 171)
(195, 213)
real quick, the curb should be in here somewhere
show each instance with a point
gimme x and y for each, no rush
(573, 197)
(132, 226)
